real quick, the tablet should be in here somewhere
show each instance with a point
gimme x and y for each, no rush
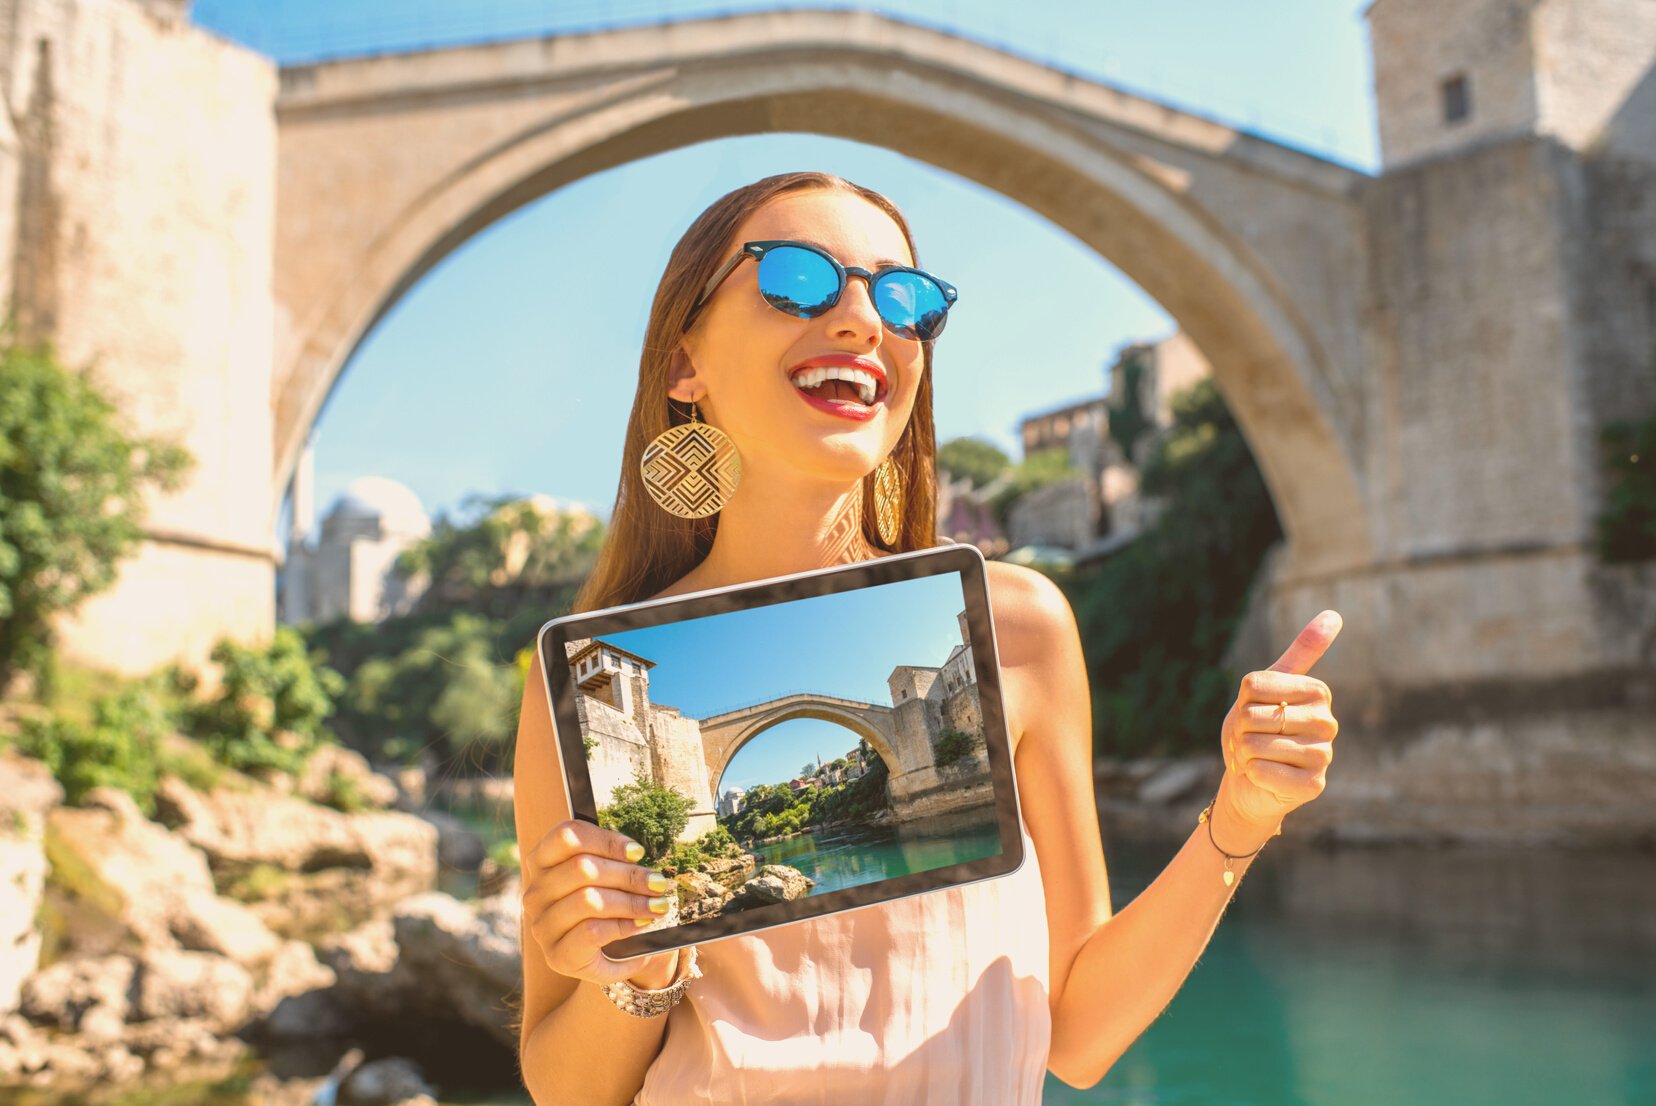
(794, 746)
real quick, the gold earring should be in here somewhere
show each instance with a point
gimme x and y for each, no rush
(888, 501)
(691, 469)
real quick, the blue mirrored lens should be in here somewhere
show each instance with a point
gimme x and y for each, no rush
(803, 283)
(911, 305)
(797, 281)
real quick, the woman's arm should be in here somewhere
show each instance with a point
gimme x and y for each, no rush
(1113, 974)
(575, 1046)
(1128, 970)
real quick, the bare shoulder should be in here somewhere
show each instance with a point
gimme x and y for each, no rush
(1030, 613)
(1035, 634)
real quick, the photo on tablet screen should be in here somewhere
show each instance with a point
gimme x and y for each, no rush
(771, 754)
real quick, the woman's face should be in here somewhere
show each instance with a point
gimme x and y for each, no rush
(736, 361)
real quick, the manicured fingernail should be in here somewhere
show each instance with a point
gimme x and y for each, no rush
(644, 921)
(659, 882)
(659, 905)
(635, 851)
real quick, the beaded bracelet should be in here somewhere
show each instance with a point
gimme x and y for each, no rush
(652, 1004)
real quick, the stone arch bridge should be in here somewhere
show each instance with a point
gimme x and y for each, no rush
(1420, 358)
(903, 743)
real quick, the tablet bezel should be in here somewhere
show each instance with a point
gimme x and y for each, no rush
(966, 560)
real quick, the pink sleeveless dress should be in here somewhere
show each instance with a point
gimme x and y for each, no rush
(935, 998)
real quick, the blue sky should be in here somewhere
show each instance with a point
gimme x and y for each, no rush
(510, 369)
(844, 644)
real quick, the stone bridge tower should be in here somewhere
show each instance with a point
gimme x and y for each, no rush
(634, 735)
(925, 701)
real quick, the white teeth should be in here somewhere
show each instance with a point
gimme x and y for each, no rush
(860, 379)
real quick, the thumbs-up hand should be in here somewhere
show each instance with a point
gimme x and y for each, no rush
(1278, 742)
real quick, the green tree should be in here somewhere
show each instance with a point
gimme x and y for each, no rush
(653, 816)
(500, 554)
(717, 842)
(1158, 615)
(857, 799)
(71, 498)
(267, 714)
(119, 748)
(976, 459)
(443, 689)
(951, 745)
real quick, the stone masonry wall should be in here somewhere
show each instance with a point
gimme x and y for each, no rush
(964, 712)
(681, 765)
(1415, 49)
(621, 751)
(137, 215)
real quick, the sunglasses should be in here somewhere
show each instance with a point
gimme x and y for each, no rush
(805, 281)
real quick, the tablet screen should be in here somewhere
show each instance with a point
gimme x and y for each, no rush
(795, 746)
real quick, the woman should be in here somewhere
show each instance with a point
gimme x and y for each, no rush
(965, 995)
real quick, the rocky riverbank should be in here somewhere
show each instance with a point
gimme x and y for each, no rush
(240, 922)
(249, 922)
(734, 883)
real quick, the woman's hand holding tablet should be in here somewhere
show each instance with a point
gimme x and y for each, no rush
(584, 888)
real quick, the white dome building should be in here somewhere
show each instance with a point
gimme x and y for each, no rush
(376, 507)
(731, 801)
(351, 572)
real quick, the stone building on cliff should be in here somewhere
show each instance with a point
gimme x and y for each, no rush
(634, 735)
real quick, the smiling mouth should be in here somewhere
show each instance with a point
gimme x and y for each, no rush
(840, 385)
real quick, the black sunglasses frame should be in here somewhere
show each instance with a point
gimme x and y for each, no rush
(757, 251)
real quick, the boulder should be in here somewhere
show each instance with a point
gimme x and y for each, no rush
(27, 793)
(91, 1041)
(775, 883)
(178, 983)
(728, 868)
(365, 962)
(384, 1083)
(700, 896)
(112, 859)
(23, 1048)
(297, 998)
(436, 958)
(239, 830)
(62, 994)
(466, 957)
(206, 922)
(167, 1044)
(376, 790)
(410, 782)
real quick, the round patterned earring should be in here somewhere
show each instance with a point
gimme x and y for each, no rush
(691, 469)
(888, 501)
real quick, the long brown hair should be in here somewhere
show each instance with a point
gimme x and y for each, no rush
(647, 548)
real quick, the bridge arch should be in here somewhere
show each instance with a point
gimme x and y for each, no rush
(1210, 223)
(721, 743)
